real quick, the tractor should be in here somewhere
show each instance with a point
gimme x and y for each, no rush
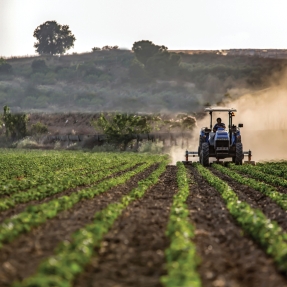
(220, 143)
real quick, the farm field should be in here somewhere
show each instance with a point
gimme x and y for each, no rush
(126, 219)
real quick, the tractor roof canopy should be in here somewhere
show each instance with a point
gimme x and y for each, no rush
(220, 110)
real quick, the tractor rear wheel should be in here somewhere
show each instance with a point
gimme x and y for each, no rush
(204, 154)
(239, 154)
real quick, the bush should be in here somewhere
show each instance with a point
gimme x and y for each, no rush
(38, 78)
(16, 124)
(26, 143)
(38, 129)
(50, 78)
(39, 66)
(5, 68)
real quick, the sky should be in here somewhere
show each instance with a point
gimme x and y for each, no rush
(177, 24)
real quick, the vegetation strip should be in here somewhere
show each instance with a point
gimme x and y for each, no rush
(266, 232)
(279, 198)
(16, 185)
(71, 256)
(276, 170)
(35, 215)
(42, 192)
(263, 176)
(181, 254)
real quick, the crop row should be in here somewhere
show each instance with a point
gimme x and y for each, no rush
(37, 214)
(279, 198)
(254, 172)
(40, 181)
(25, 164)
(181, 254)
(71, 256)
(266, 232)
(274, 169)
(69, 181)
(32, 165)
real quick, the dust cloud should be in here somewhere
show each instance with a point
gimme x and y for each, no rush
(264, 116)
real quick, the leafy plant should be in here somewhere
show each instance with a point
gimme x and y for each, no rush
(38, 129)
(15, 125)
(181, 255)
(279, 198)
(71, 256)
(38, 214)
(266, 232)
(122, 128)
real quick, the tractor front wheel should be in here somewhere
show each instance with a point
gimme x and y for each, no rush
(239, 154)
(204, 154)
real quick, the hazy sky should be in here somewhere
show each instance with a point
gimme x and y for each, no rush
(181, 24)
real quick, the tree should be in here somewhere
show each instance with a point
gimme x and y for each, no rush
(94, 49)
(144, 50)
(122, 128)
(53, 38)
(156, 59)
(109, 48)
(16, 125)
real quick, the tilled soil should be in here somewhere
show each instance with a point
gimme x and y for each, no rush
(256, 199)
(132, 253)
(21, 206)
(21, 258)
(229, 259)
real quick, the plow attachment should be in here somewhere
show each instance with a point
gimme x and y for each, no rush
(189, 154)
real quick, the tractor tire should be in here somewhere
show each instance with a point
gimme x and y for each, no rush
(201, 141)
(204, 154)
(239, 154)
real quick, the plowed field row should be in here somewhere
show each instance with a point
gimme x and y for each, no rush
(111, 219)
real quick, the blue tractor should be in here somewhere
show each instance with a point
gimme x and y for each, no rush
(220, 143)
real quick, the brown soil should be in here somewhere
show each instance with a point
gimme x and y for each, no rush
(228, 258)
(41, 241)
(132, 253)
(21, 206)
(257, 200)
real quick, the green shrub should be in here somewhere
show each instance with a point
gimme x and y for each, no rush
(5, 68)
(39, 66)
(38, 128)
(16, 125)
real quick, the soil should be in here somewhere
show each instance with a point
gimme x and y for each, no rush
(257, 200)
(228, 257)
(132, 253)
(41, 241)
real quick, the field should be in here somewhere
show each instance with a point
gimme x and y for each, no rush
(126, 219)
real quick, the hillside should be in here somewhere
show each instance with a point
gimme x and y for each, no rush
(110, 80)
